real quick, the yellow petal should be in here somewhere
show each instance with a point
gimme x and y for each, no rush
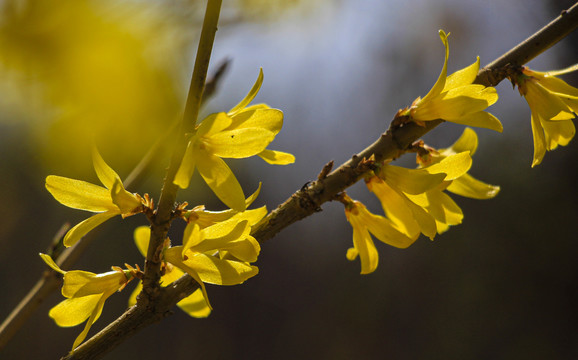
(83, 228)
(105, 173)
(78, 283)
(127, 203)
(142, 235)
(539, 140)
(72, 312)
(383, 230)
(192, 236)
(364, 246)
(456, 103)
(472, 188)
(411, 181)
(468, 141)
(463, 77)
(186, 169)
(250, 96)
(134, 294)
(212, 244)
(213, 270)
(48, 260)
(546, 104)
(453, 166)
(268, 119)
(246, 250)
(274, 157)
(91, 320)
(173, 256)
(558, 133)
(195, 305)
(221, 180)
(79, 194)
(212, 124)
(441, 81)
(239, 143)
(479, 119)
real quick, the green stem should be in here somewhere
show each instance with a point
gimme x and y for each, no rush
(161, 221)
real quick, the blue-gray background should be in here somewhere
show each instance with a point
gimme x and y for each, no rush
(503, 285)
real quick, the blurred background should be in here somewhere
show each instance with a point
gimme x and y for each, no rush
(503, 285)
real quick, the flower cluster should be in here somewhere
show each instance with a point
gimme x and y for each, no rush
(217, 247)
(553, 103)
(415, 200)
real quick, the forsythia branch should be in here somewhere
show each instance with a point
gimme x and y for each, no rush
(311, 196)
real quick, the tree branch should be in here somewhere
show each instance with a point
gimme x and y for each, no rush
(309, 199)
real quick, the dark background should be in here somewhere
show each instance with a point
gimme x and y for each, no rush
(503, 285)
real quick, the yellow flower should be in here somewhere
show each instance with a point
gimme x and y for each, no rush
(414, 199)
(205, 218)
(464, 185)
(221, 253)
(195, 304)
(86, 293)
(241, 133)
(553, 103)
(454, 98)
(107, 201)
(364, 223)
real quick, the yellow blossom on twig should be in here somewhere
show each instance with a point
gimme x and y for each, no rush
(553, 103)
(243, 132)
(108, 201)
(365, 224)
(86, 293)
(456, 99)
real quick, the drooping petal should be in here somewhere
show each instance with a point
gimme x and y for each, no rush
(195, 305)
(382, 228)
(105, 173)
(558, 133)
(127, 203)
(274, 157)
(72, 312)
(221, 180)
(91, 320)
(479, 119)
(186, 169)
(363, 244)
(174, 256)
(239, 143)
(83, 228)
(539, 140)
(79, 194)
(408, 217)
(545, 103)
(142, 236)
(250, 96)
(472, 188)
